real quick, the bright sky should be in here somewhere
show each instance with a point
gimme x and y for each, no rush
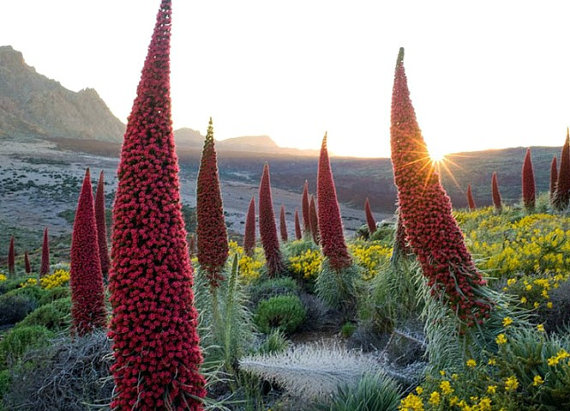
(484, 74)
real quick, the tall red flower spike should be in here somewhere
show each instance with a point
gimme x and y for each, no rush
(155, 343)
(553, 178)
(528, 189)
(496, 193)
(44, 268)
(249, 236)
(305, 208)
(211, 228)
(314, 220)
(401, 241)
(298, 232)
(86, 281)
(11, 258)
(267, 227)
(27, 265)
(563, 185)
(369, 217)
(283, 224)
(330, 223)
(102, 225)
(470, 199)
(425, 208)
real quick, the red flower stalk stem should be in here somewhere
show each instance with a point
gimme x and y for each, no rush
(86, 280)
(27, 266)
(298, 232)
(153, 327)
(563, 185)
(44, 268)
(305, 208)
(211, 228)
(314, 220)
(401, 241)
(470, 199)
(249, 237)
(11, 258)
(496, 193)
(102, 225)
(283, 225)
(330, 223)
(425, 208)
(267, 228)
(192, 246)
(528, 188)
(553, 178)
(369, 217)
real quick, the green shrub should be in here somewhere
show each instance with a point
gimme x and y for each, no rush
(54, 294)
(348, 329)
(283, 312)
(20, 339)
(31, 292)
(54, 316)
(374, 392)
(275, 342)
(14, 308)
(5, 382)
(337, 287)
(263, 290)
(12, 284)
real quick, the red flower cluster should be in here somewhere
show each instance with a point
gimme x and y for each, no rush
(283, 224)
(470, 199)
(102, 225)
(298, 233)
(314, 220)
(267, 228)
(528, 189)
(44, 268)
(563, 184)
(369, 217)
(11, 258)
(496, 193)
(305, 208)
(155, 343)
(211, 228)
(330, 223)
(553, 178)
(425, 208)
(86, 281)
(27, 266)
(249, 236)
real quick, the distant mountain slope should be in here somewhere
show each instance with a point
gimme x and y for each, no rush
(31, 105)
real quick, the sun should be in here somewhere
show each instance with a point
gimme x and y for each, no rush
(436, 153)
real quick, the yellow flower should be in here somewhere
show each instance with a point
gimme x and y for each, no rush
(511, 384)
(3, 277)
(536, 304)
(561, 355)
(501, 339)
(540, 327)
(537, 381)
(492, 389)
(411, 403)
(442, 372)
(523, 300)
(471, 363)
(511, 281)
(434, 398)
(492, 361)
(485, 404)
(454, 377)
(445, 387)
(419, 390)
(549, 304)
(507, 321)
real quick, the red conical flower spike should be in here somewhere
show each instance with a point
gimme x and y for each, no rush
(11, 258)
(44, 268)
(330, 223)
(249, 236)
(211, 228)
(153, 327)
(86, 281)
(528, 189)
(553, 178)
(496, 193)
(369, 218)
(298, 233)
(283, 224)
(305, 208)
(314, 220)
(425, 208)
(563, 185)
(470, 199)
(267, 227)
(102, 225)
(27, 265)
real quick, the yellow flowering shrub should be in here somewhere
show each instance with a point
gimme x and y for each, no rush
(371, 256)
(3, 277)
(30, 282)
(57, 279)
(249, 267)
(307, 264)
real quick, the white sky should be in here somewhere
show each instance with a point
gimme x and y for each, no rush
(484, 74)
